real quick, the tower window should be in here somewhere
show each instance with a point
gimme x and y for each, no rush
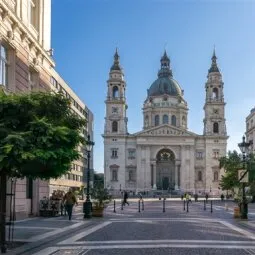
(183, 121)
(114, 126)
(216, 128)
(215, 176)
(173, 120)
(114, 175)
(156, 120)
(165, 119)
(115, 92)
(199, 176)
(146, 121)
(215, 94)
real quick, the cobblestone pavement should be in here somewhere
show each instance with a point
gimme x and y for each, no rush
(150, 231)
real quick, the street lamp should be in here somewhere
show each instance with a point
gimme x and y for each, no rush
(243, 146)
(87, 205)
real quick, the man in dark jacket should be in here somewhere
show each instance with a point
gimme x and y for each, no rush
(125, 198)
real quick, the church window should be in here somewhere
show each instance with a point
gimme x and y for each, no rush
(173, 120)
(131, 153)
(146, 121)
(114, 153)
(199, 155)
(114, 126)
(165, 119)
(199, 176)
(183, 121)
(131, 175)
(215, 93)
(114, 175)
(115, 92)
(215, 176)
(216, 154)
(216, 127)
(156, 120)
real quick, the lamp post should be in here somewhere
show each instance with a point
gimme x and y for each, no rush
(87, 205)
(244, 205)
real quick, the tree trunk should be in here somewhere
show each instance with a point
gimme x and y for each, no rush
(3, 184)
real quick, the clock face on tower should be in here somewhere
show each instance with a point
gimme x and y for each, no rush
(216, 111)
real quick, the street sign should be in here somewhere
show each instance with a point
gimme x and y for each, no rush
(241, 172)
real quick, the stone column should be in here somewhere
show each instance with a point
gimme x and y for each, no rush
(154, 176)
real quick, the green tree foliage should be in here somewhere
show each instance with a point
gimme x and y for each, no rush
(39, 135)
(98, 180)
(231, 163)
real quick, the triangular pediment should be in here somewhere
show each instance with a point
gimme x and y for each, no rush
(165, 130)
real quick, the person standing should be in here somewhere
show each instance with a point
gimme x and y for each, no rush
(69, 200)
(125, 198)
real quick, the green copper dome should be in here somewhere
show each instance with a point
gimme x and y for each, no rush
(165, 84)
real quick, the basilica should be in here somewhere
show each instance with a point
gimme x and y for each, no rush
(164, 155)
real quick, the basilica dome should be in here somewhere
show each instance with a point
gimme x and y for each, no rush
(165, 84)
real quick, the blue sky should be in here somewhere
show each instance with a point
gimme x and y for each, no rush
(85, 34)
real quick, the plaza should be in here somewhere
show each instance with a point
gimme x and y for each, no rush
(150, 231)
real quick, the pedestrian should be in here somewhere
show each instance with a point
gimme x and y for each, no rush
(206, 197)
(69, 200)
(125, 198)
(222, 197)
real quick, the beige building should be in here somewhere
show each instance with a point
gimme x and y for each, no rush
(250, 129)
(164, 155)
(26, 65)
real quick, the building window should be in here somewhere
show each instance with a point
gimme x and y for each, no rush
(165, 119)
(199, 155)
(115, 92)
(114, 109)
(33, 13)
(114, 175)
(156, 120)
(131, 175)
(215, 176)
(131, 154)
(199, 176)
(173, 120)
(114, 126)
(114, 153)
(146, 121)
(3, 65)
(183, 121)
(215, 93)
(216, 154)
(216, 127)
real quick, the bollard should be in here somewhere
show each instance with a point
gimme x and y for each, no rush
(204, 205)
(164, 209)
(211, 207)
(114, 209)
(139, 206)
(142, 205)
(122, 205)
(184, 205)
(188, 206)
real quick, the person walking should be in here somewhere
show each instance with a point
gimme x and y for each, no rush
(125, 198)
(69, 200)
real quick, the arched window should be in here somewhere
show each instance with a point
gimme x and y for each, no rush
(156, 120)
(146, 121)
(183, 121)
(173, 120)
(199, 176)
(165, 119)
(114, 126)
(114, 175)
(115, 92)
(215, 176)
(216, 127)
(130, 175)
(215, 94)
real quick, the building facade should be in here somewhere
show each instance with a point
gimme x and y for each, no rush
(250, 129)
(26, 65)
(164, 155)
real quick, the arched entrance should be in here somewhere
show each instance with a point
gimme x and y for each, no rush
(165, 170)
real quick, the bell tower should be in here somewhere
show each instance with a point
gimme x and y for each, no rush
(116, 120)
(214, 108)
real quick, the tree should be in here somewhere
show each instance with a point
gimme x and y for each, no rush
(39, 135)
(231, 164)
(98, 180)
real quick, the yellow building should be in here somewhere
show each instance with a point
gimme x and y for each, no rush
(26, 65)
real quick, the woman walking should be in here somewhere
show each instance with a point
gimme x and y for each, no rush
(70, 200)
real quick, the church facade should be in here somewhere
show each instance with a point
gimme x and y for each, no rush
(164, 155)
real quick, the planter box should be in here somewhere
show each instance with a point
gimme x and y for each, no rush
(98, 212)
